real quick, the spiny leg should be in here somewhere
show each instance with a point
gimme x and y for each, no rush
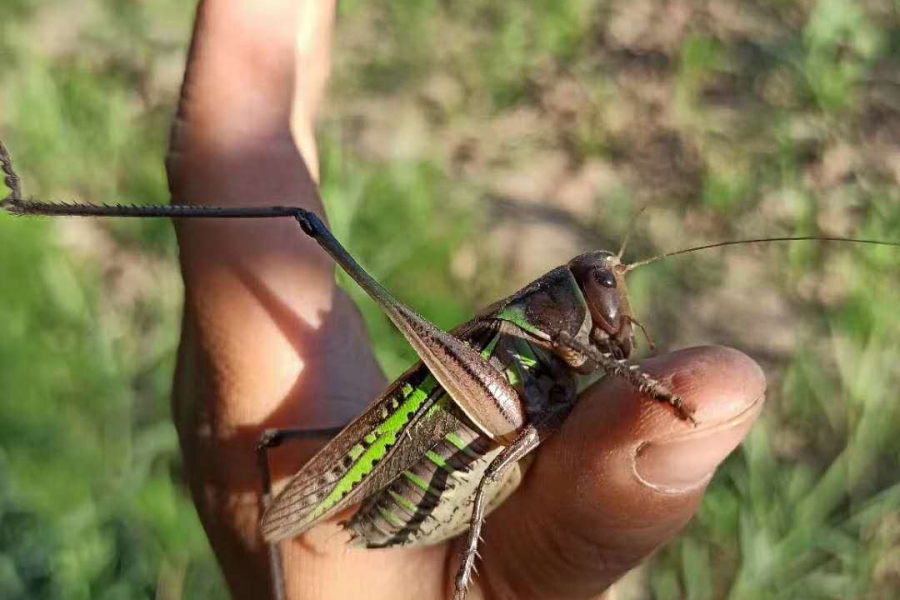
(477, 389)
(273, 438)
(11, 179)
(633, 374)
(527, 441)
(559, 401)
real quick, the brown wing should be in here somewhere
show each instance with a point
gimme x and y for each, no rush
(368, 454)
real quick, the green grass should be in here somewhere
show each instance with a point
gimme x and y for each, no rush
(775, 120)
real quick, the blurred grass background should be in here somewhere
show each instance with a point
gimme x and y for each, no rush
(501, 138)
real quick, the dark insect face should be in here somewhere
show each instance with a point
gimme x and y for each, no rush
(602, 281)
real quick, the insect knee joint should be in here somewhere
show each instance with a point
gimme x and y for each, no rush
(270, 438)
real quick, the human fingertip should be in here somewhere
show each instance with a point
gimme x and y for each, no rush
(726, 390)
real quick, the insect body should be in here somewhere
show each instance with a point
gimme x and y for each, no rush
(444, 443)
(417, 456)
(427, 468)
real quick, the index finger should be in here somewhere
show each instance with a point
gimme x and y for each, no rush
(264, 329)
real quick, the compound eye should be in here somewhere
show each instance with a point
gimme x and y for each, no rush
(605, 278)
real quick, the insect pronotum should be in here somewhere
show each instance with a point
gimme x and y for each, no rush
(441, 446)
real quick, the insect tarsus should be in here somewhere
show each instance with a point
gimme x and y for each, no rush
(641, 381)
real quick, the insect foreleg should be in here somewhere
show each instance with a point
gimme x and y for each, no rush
(633, 374)
(273, 438)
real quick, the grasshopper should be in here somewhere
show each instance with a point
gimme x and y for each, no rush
(450, 439)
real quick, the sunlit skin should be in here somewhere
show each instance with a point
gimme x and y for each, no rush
(268, 339)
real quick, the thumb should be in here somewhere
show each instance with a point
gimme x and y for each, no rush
(621, 477)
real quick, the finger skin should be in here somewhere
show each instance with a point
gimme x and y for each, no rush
(265, 334)
(586, 513)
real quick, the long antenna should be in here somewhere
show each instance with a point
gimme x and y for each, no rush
(800, 238)
(630, 229)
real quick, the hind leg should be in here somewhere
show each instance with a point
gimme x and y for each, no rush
(273, 438)
(558, 402)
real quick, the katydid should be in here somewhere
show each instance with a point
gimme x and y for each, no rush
(449, 440)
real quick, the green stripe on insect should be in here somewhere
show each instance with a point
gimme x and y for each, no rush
(442, 403)
(512, 376)
(404, 502)
(515, 314)
(438, 460)
(421, 484)
(384, 437)
(390, 517)
(489, 349)
(461, 444)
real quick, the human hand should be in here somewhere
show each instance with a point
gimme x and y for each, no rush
(267, 338)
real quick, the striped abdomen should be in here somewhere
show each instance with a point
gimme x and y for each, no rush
(432, 500)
